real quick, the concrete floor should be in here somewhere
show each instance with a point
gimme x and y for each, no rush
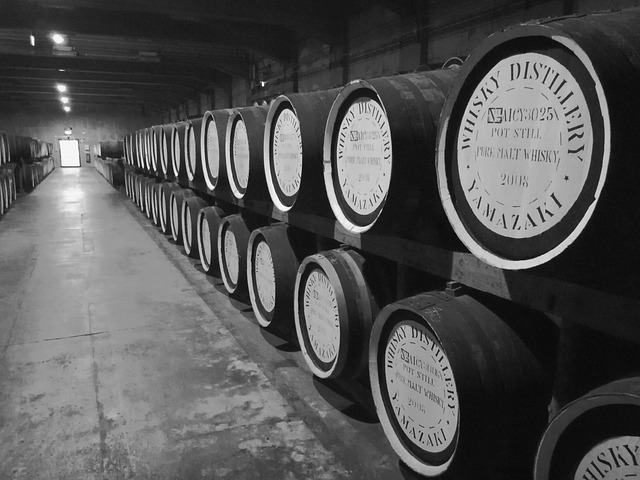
(120, 359)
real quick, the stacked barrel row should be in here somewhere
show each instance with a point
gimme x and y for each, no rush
(24, 162)
(511, 155)
(327, 301)
(8, 188)
(110, 170)
(16, 148)
(113, 149)
(7, 176)
(29, 175)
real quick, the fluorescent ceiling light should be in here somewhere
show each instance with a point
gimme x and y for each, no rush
(61, 87)
(67, 108)
(32, 40)
(57, 38)
(64, 99)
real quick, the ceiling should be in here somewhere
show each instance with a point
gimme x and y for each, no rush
(156, 54)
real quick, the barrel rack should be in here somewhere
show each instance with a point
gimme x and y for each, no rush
(566, 291)
(608, 312)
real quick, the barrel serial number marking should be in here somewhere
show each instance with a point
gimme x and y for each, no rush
(265, 276)
(287, 152)
(421, 387)
(363, 156)
(320, 309)
(524, 146)
(241, 154)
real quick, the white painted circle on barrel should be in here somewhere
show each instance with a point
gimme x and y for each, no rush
(192, 150)
(421, 388)
(524, 146)
(363, 156)
(206, 240)
(187, 221)
(213, 151)
(175, 217)
(163, 209)
(265, 276)
(287, 152)
(165, 152)
(320, 310)
(176, 152)
(231, 258)
(241, 154)
(617, 458)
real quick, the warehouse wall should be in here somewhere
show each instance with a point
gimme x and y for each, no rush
(384, 41)
(89, 129)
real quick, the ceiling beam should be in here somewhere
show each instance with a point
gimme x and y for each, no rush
(50, 79)
(122, 95)
(305, 18)
(272, 41)
(198, 78)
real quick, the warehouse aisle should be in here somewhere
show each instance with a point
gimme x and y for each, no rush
(114, 366)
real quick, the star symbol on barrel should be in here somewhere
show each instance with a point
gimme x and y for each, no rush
(566, 178)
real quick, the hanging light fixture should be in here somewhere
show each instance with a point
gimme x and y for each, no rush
(61, 87)
(57, 38)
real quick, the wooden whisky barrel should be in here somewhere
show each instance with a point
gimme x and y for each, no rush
(144, 153)
(167, 151)
(189, 224)
(142, 182)
(244, 142)
(133, 186)
(334, 308)
(112, 149)
(7, 149)
(140, 179)
(178, 142)
(147, 136)
(144, 190)
(156, 191)
(158, 132)
(534, 139)
(594, 437)
(130, 149)
(149, 185)
(176, 199)
(208, 223)
(161, 149)
(164, 206)
(20, 148)
(140, 154)
(192, 152)
(126, 153)
(293, 141)
(214, 125)
(133, 149)
(4, 191)
(9, 183)
(3, 150)
(127, 182)
(378, 152)
(456, 389)
(272, 266)
(3, 205)
(14, 187)
(135, 181)
(233, 238)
